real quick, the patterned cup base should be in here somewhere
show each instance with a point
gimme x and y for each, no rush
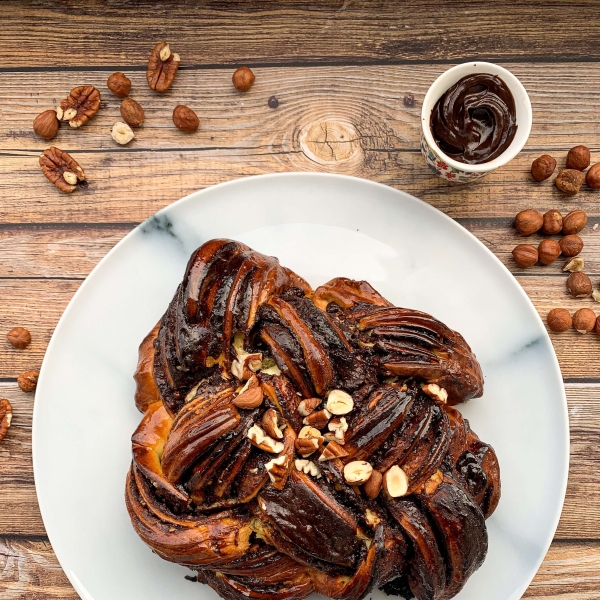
(441, 169)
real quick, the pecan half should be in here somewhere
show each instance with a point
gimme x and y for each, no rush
(61, 169)
(79, 106)
(306, 446)
(162, 66)
(5, 417)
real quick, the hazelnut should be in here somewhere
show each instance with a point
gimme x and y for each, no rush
(119, 84)
(559, 320)
(525, 255)
(553, 222)
(543, 167)
(584, 320)
(574, 265)
(132, 112)
(28, 381)
(593, 177)
(185, 119)
(528, 221)
(579, 285)
(357, 472)
(19, 337)
(549, 251)
(242, 79)
(121, 133)
(578, 158)
(597, 326)
(571, 245)
(395, 482)
(46, 124)
(372, 487)
(339, 402)
(574, 222)
(569, 181)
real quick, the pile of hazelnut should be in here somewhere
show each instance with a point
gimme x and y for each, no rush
(83, 102)
(571, 178)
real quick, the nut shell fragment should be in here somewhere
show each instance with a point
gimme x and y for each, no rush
(19, 337)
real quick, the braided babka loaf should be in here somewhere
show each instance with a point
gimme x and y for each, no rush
(298, 441)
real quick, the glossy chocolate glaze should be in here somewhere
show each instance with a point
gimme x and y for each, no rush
(475, 120)
(199, 493)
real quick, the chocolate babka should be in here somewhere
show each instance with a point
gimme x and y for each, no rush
(298, 440)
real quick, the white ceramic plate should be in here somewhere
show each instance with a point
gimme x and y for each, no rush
(321, 226)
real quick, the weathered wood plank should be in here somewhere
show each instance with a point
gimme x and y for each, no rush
(29, 569)
(129, 186)
(20, 514)
(271, 31)
(367, 101)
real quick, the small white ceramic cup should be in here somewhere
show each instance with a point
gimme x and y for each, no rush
(452, 170)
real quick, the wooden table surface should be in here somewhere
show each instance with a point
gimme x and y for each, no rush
(340, 71)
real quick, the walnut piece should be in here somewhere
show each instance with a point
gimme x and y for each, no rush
(79, 106)
(61, 169)
(5, 417)
(162, 67)
(28, 381)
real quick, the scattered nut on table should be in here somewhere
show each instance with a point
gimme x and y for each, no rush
(571, 245)
(593, 177)
(528, 221)
(543, 167)
(553, 222)
(574, 222)
(242, 79)
(132, 112)
(574, 265)
(569, 181)
(79, 106)
(579, 285)
(559, 320)
(584, 320)
(121, 133)
(525, 255)
(548, 251)
(578, 158)
(185, 119)
(119, 84)
(28, 381)
(61, 169)
(46, 124)
(6, 413)
(162, 67)
(19, 337)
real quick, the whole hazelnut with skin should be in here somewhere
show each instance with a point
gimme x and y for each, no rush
(185, 119)
(528, 221)
(559, 320)
(597, 326)
(593, 177)
(553, 222)
(46, 124)
(548, 251)
(132, 112)
(525, 255)
(584, 320)
(579, 285)
(578, 158)
(571, 245)
(119, 84)
(569, 181)
(543, 167)
(574, 222)
(28, 381)
(242, 79)
(19, 337)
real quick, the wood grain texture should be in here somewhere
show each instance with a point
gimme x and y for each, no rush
(37, 34)
(580, 519)
(571, 571)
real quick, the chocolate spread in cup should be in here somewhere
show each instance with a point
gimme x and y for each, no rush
(475, 120)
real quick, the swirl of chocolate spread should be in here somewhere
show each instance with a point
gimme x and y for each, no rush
(475, 120)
